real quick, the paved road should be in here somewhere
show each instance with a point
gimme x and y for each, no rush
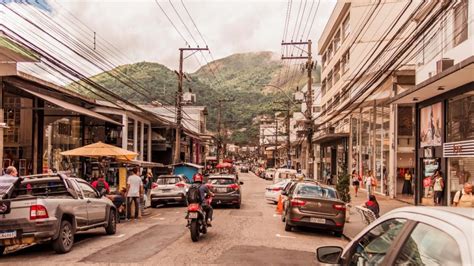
(252, 235)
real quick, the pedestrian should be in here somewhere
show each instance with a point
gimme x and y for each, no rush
(355, 181)
(328, 178)
(8, 182)
(370, 183)
(407, 183)
(101, 185)
(134, 191)
(464, 198)
(438, 187)
(373, 205)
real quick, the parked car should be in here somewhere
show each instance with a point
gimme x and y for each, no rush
(409, 236)
(244, 168)
(169, 189)
(284, 173)
(269, 173)
(311, 204)
(226, 189)
(272, 192)
(53, 208)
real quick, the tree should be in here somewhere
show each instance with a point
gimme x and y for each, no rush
(343, 187)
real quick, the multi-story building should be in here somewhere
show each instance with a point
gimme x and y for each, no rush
(367, 53)
(444, 103)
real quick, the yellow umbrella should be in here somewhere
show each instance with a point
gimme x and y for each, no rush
(101, 149)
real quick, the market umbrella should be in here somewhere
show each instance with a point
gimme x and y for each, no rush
(101, 149)
(224, 165)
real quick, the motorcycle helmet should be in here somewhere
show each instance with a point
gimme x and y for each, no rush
(197, 177)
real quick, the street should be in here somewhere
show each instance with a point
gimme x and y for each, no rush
(252, 235)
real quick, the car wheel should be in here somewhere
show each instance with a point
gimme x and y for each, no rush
(111, 227)
(338, 233)
(65, 240)
(154, 204)
(288, 227)
(2, 250)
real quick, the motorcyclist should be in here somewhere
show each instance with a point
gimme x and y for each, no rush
(205, 194)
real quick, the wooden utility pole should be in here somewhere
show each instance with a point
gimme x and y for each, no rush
(276, 143)
(179, 104)
(309, 102)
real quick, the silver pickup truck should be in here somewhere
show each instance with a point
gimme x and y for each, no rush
(52, 208)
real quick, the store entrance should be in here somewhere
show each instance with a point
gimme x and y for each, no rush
(428, 169)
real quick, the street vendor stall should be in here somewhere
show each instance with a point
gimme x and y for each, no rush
(187, 169)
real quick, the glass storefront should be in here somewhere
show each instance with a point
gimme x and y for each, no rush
(18, 137)
(61, 134)
(460, 127)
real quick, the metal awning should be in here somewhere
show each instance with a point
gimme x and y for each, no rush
(189, 164)
(329, 137)
(72, 107)
(452, 78)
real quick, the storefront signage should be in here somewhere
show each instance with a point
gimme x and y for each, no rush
(431, 125)
(459, 149)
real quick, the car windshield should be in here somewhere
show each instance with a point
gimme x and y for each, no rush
(310, 190)
(168, 180)
(221, 181)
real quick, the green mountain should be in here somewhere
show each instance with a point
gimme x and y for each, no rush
(240, 78)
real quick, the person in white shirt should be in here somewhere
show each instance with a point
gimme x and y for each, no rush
(134, 192)
(369, 183)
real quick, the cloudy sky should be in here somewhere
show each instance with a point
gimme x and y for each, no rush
(141, 31)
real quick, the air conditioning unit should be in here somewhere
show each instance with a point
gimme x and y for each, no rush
(443, 64)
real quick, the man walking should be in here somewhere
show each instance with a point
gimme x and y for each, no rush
(134, 192)
(464, 198)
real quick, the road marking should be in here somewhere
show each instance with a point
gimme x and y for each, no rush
(278, 235)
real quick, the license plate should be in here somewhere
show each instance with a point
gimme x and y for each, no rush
(7, 234)
(165, 190)
(221, 190)
(193, 215)
(317, 220)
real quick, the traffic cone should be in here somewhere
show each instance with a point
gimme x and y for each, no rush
(279, 209)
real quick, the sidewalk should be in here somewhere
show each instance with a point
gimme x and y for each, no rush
(355, 224)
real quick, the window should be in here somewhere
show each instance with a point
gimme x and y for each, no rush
(337, 75)
(345, 62)
(460, 22)
(88, 191)
(329, 53)
(323, 88)
(373, 246)
(429, 246)
(329, 81)
(168, 180)
(345, 28)
(323, 60)
(337, 41)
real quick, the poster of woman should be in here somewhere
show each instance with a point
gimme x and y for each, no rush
(431, 125)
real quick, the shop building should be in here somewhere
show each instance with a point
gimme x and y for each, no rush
(444, 106)
(357, 125)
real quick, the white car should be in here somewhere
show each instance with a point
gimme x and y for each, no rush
(409, 236)
(272, 192)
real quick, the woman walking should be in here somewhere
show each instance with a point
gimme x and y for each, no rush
(438, 187)
(369, 183)
(355, 181)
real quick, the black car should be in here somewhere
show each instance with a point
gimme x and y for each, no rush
(244, 169)
(226, 189)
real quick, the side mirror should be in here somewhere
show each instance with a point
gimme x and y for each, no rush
(329, 255)
(241, 182)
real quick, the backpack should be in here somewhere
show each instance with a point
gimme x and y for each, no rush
(460, 196)
(100, 185)
(194, 195)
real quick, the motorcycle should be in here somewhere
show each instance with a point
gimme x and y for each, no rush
(196, 217)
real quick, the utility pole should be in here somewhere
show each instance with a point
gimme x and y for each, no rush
(287, 124)
(276, 143)
(219, 127)
(309, 102)
(179, 104)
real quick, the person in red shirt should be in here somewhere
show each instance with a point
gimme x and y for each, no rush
(373, 205)
(101, 184)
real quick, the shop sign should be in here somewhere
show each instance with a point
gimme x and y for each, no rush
(459, 149)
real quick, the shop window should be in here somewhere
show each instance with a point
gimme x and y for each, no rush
(346, 27)
(460, 22)
(460, 118)
(460, 171)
